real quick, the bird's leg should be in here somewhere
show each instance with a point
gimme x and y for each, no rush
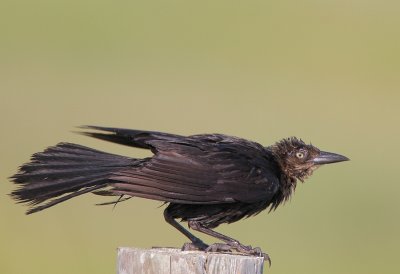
(230, 243)
(196, 243)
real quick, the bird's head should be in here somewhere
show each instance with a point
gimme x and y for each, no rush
(298, 160)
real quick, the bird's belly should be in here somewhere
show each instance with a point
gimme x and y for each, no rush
(213, 215)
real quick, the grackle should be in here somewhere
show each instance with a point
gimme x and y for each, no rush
(206, 179)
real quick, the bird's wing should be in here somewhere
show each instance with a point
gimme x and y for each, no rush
(201, 169)
(129, 137)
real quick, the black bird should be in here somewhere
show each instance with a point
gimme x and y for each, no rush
(207, 179)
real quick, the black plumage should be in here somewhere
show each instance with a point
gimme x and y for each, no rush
(206, 179)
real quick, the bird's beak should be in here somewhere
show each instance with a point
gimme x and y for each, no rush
(328, 158)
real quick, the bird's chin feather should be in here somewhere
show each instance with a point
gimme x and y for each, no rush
(310, 171)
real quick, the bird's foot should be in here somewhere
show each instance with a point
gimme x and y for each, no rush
(194, 246)
(238, 247)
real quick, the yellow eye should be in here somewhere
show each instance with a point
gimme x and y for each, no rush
(300, 155)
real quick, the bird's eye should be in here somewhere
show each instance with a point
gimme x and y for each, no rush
(300, 155)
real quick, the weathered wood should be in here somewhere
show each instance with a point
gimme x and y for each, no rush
(175, 261)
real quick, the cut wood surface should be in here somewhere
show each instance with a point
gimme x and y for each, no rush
(174, 261)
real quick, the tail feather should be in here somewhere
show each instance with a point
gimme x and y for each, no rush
(65, 171)
(63, 199)
(57, 175)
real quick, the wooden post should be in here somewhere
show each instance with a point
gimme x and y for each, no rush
(175, 261)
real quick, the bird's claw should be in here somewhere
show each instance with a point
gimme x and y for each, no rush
(236, 246)
(219, 247)
(198, 246)
(190, 247)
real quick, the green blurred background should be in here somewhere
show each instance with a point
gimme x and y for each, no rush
(326, 71)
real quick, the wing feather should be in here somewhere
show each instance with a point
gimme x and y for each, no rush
(193, 173)
(199, 169)
(129, 137)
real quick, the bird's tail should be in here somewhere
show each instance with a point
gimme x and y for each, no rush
(65, 171)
